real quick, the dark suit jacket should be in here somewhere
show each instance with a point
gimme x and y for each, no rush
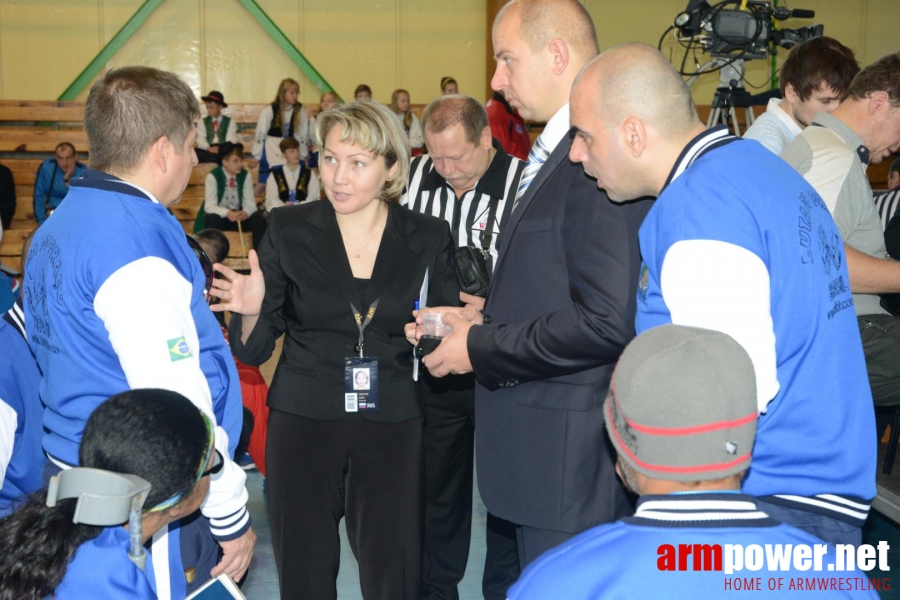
(309, 288)
(562, 306)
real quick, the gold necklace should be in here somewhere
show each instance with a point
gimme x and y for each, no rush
(363, 247)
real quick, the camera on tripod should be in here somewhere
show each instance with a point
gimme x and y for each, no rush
(732, 36)
(722, 31)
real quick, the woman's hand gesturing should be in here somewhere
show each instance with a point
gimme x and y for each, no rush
(241, 294)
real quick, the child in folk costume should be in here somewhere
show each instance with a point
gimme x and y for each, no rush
(284, 118)
(400, 106)
(215, 128)
(290, 183)
(229, 197)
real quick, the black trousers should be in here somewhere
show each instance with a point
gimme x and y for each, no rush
(449, 455)
(501, 559)
(370, 473)
(255, 224)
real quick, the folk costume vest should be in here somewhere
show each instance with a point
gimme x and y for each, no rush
(222, 183)
(280, 129)
(285, 193)
(215, 137)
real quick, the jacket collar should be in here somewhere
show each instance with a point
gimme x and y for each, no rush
(703, 509)
(697, 147)
(393, 254)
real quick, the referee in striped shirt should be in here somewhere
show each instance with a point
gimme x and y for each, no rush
(465, 171)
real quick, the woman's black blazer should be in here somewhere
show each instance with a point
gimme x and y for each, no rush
(309, 288)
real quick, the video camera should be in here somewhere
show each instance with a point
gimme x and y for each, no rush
(750, 33)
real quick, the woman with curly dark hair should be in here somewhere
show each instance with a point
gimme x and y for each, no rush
(158, 435)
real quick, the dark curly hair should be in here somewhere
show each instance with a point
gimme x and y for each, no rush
(157, 435)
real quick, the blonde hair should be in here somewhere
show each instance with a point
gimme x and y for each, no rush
(284, 86)
(407, 116)
(372, 127)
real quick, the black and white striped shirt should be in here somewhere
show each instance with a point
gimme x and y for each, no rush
(887, 204)
(429, 193)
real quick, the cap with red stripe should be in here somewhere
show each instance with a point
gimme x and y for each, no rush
(682, 405)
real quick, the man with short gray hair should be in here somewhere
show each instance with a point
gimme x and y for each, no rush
(468, 180)
(115, 300)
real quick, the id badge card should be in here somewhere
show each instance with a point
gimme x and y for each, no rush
(360, 384)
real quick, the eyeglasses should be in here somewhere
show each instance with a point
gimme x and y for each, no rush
(212, 464)
(205, 264)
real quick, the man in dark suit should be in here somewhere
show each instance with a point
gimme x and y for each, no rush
(560, 309)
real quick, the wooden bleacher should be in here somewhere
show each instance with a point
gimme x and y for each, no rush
(31, 130)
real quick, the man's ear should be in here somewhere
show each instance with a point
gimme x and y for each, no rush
(487, 139)
(790, 94)
(878, 102)
(160, 153)
(635, 136)
(559, 52)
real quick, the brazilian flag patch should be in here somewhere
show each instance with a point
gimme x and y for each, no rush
(178, 349)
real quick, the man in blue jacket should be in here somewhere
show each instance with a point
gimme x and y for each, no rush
(115, 299)
(52, 182)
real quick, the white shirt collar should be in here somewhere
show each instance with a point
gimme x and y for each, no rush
(143, 191)
(556, 129)
(774, 107)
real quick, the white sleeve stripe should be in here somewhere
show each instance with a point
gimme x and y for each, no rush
(9, 421)
(724, 287)
(226, 531)
(230, 519)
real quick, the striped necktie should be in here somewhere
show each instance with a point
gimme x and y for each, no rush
(536, 158)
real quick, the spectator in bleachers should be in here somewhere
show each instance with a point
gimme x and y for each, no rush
(328, 101)
(21, 411)
(156, 435)
(7, 198)
(215, 128)
(362, 92)
(814, 78)
(52, 182)
(449, 86)
(291, 183)
(508, 127)
(229, 198)
(833, 158)
(408, 119)
(681, 414)
(887, 202)
(285, 117)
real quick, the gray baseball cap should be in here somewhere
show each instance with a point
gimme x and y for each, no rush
(682, 405)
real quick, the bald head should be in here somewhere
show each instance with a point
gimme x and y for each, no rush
(546, 20)
(636, 80)
(633, 115)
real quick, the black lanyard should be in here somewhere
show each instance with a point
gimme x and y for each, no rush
(362, 324)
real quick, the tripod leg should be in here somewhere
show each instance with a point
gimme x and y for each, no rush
(734, 120)
(713, 116)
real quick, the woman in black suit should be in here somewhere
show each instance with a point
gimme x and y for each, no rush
(337, 448)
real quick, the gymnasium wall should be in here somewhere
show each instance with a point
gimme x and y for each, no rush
(215, 44)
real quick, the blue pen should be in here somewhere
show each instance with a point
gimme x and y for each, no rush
(416, 304)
